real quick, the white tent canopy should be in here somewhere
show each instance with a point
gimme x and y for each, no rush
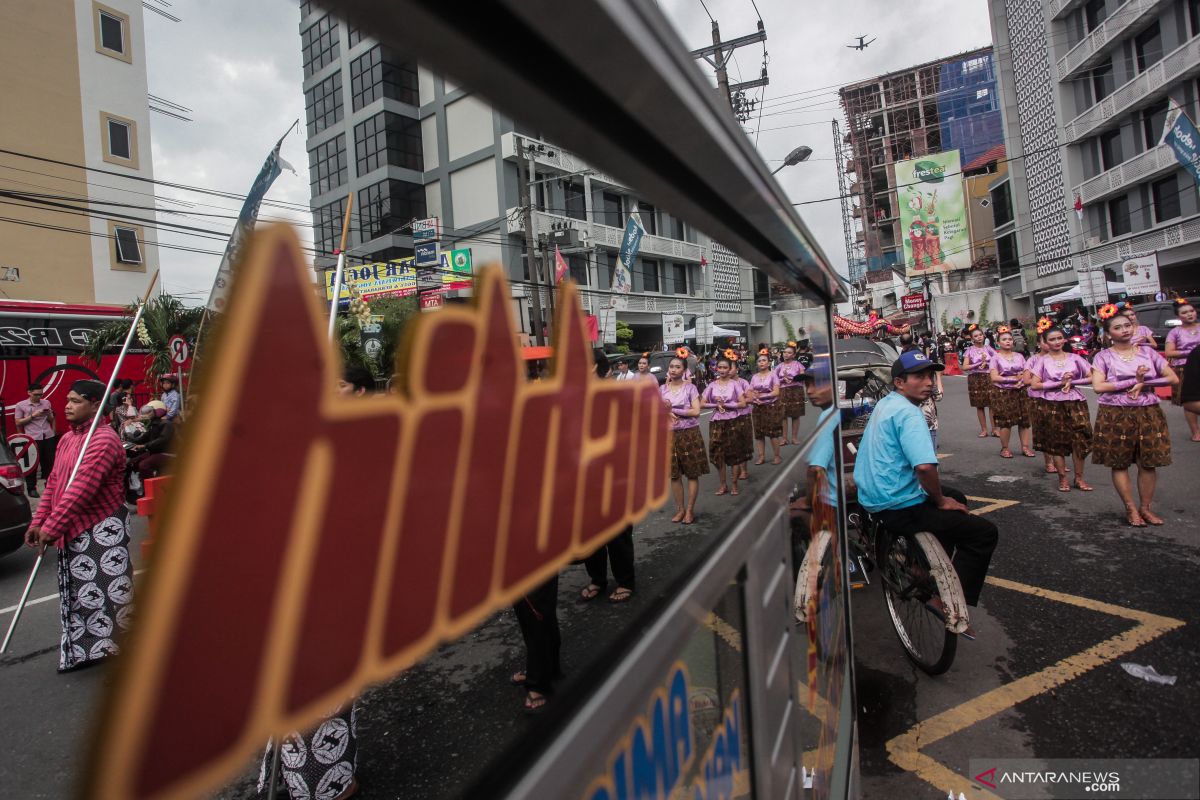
(717, 331)
(1073, 293)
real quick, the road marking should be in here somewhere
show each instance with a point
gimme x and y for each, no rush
(991, 504)
(49, 597)
(905, 750)
(731, 635)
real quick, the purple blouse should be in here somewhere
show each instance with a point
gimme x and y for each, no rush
(765, 384)
(1031, 365)
(728, 394)
(1010, 370)
(1143, 336)
(978, 360)
(1124, 375)
(743, 388)
(788, 372)
(680, 401)
(1053, 373)
(1185, 341)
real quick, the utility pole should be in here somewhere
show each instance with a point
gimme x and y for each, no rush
(718, 55)
(539, 331)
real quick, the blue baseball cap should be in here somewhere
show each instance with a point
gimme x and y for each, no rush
(913, 361)
(819, 370)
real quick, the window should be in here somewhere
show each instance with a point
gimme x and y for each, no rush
(388, 206)
(762, 289)
(1153, 120)
(112, 32)
(609, 264)
(1006, 255)
(576, 207)
(681, 278)
(323, 104)
(1119, 222)
(649, 215)
(650, 275)
(306, 8)
(327, 165)
(353, 36)
(1093, 14)
(579, 269)
(319, 44)
(1193, 9)
(612, 214)
(125, 247)
(327, 227)
(1148, 47)
(1166, 199)
(128, 250)
(119, 140)
(378, 73)
(1002, 212)
(675, 228)
(387, 139)
(1102, 81)
(1111, 152)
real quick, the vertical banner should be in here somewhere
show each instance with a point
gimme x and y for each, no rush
(933, 214)
(672, 325)
(1141, 275)
(1181, 136)
(1093, 287)
(631, 243)
(608, 325)
(704, 330)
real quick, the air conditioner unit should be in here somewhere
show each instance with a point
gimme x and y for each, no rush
(1091, 241)
(564, 237)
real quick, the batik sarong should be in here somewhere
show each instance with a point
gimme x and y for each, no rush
(320, 764)
(95, 586)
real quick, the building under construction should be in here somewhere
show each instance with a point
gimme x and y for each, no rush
(948, 104)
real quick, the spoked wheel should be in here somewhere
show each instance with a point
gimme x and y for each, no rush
(908, 563)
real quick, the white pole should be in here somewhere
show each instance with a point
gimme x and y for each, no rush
(337, 293)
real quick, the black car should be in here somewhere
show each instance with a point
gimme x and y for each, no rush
(1159, 317)
(14, 505)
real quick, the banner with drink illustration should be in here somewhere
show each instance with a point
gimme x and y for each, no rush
(933, 214)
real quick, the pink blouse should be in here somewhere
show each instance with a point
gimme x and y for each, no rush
(1009, 369)
(727, 395)
(1124, 375)
(788, 372)
(978, 360)
(1052, 373)
(680, 401)
(1185, 341)
(1031, 365)
(1143, 336)
(765, 384)
(743, 388)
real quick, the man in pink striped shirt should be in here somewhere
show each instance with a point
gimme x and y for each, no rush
(86, 519)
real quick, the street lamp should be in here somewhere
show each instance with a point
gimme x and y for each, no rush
(801, 153)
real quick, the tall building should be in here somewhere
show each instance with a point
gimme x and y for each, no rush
(410, 143)
(1086, 87)
(940, 107)
(75, 92)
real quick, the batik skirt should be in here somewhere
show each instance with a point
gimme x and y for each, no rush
(320, 764)
(688, 457)
(1038, 409)
(979, 389)
(768, 421)
(1010, 407)
(1066, 428)
(95, 588)
(792, 398)
(744, 425)
(1128, 435)
(1177, 389)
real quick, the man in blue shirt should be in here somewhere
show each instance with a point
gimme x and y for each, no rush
(170, 396)
(897, 476)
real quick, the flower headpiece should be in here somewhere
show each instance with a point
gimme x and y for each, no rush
(681, 352)
(764, 352)
(1003, 329)
(1181, 301)
(972, 327)
(792, 344)
(1107, 311)
(646, 354)
(730, 354)
(1044, 324)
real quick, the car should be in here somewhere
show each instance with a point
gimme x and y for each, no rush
(1159, 317)
(661, 359)
(14, 505)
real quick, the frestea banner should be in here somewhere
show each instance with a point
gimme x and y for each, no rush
(933, 215)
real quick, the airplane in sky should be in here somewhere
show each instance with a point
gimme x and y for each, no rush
(861, 44)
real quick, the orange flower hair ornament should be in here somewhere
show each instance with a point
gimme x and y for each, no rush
(730, 354)
(764, 352)
(972, 327)
(733, 358)
(1181, 301)
(681, 352)
(646, 354)
(1107, 311)
(1003, 329)
(1044, 324)
(792, 345)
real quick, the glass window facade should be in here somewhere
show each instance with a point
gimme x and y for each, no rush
(1166, 199)
(319, 44)
(112, 33)
(1007, 257)
(575, 204)
(379, 73)
(680, 278)
(1118, 216)
(611, 214)
(327, 226)
(327, 165)
(650, 275)
(389, 206)
(1002, 211)
(323, 104)
(387, 138)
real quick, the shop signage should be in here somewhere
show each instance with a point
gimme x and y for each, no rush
(425, 230)
(399, 278)
(1141, 275)
(672, 326)
(432, 301)
(933, 214)
(912, 302)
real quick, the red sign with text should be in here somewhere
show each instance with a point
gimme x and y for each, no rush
(432, 301)
(912, 302)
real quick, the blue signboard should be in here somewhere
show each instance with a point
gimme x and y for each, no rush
(426, 254)
(1184, 139)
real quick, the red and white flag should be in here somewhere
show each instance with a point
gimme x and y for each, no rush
(560, 266)
(1079, 208)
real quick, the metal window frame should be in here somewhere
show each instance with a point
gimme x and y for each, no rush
(110, 122)
(122, 26)
(122, 256)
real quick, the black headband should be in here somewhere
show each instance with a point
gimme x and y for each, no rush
(88, 390)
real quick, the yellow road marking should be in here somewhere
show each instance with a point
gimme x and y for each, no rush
(905, 750)
(942, 456)
(991, 504)
(720, 627)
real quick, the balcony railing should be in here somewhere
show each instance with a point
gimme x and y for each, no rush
(554, 157)
(1177, 234)
(1145, 165)
(606, 235)
(1060, 8)
(1183, 62)
(1106, 37)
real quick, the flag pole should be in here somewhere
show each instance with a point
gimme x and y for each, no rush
(341, 264)
(137, 317)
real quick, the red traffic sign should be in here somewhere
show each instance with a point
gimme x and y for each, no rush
(432, 301)
(25, 451)
(179, 349)
(912, 302)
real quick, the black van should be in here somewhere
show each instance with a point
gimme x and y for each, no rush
(1159, 317)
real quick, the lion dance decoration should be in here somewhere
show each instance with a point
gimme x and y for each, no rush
(874, 322)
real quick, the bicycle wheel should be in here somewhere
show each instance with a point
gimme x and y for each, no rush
(907, 564)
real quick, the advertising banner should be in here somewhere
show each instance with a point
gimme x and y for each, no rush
(1141, 275)
(673, 328)
(399, 279)
(1093, 287)
(933, 214)
(1183, 138)
(631, 243)
(912, 302)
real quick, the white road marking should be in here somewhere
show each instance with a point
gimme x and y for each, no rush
(49, 597)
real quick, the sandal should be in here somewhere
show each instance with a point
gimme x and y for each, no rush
(983, 434)
(776, 460)
(678, 517)
(721, 491)
(1025, 451)
(1051, 469)
(745, 476)
(1064, 484)
(1083, 487)
(518, 678)
(534, 702)
(590, 592)
(621, 595)
(1151, 517)
(1133, 518)
(760, 461)
(1006, 453)
(734, 492)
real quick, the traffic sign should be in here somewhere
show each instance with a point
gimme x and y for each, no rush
(25, 451)
(426, 255)
(424, 230)
(179, 349)
(912, 302)
(432, 301)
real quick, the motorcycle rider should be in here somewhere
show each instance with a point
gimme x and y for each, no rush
(147, 455)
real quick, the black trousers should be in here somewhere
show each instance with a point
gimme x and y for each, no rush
(618, 551)
(537, 614)
(969, 538)
(46, 450)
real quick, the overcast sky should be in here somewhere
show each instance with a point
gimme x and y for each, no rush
(237, 66)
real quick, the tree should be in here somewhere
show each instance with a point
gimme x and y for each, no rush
(397, 312)
(788, 329)
(624, 334)
(165, 316)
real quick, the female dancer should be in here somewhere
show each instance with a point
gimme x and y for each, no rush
(1065, 427)
(768, 412)
(977, 363)
(1181, 342)
(688, 458)
(1036, 398)
(791, 392)
(1130, 427)
(726, 446)
(643, 369)
(1142, 336)
(1010, 404)
(743, 423)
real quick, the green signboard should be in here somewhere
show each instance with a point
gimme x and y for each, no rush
(933, 214)
(398, 278)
